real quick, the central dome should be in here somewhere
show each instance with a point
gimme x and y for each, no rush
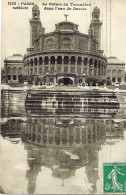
(66, 25)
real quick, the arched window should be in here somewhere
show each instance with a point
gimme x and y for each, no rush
(46, 60)
(66, 60)
(35, 15)
(59, 60)
(114, 72)
(8, 72)
(95, 63)
(85, 61)
(99, 64)
(79, 60)
(35, 61)
(14, 72)
(40, 61)
(20, 71)
(28, 63)
(52, 61)
(72, 61)
(119, 72)
(31, 62)
(90, 62)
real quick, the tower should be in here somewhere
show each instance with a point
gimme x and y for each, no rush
(35, 25)
(95, 26)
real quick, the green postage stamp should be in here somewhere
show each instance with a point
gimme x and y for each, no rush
(114, 178)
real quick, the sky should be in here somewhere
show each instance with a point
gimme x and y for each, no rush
(16, 27)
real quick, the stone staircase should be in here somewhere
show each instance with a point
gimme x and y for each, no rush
(88, 103)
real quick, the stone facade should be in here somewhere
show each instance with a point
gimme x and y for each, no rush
(13, 66)
(65, 53)
(116, 70)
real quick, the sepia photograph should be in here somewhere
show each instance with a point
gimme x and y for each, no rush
(63, 97)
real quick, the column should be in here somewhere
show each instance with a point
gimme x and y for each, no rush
(37, 66)
(69, 66)
(43, 66)
(82, 66)
(55, 65)
(11, 74)
(17, 74)
(76, 65)
(33, 67)
(49, 65)
(98, 70)
(103, 70)
(62, 64)
(29, 68)
(88, 67)
(93, 68)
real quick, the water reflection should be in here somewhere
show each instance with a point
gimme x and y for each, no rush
(68, 147)
(57, 144)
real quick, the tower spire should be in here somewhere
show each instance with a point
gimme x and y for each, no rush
(95, 26)
(35, 25)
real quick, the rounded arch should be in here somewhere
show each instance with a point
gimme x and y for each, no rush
(40, 60)
(99, 64)
(52, 60)
(59, 60)
(72, 60)
(20, 71)
(35, 15)
(114, 71)
(31, 62)
(66, 59)
(8, 71)
(46, 60)
(90, 62)
(65, 81)
(79, 60)
(95, 63)
(14, 71)
(85, 61)
(35, 61)
(119, 72)
(28, 62)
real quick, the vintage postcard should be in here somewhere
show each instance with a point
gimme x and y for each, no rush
(63, 97)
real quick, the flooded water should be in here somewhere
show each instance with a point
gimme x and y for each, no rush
(45, 151)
